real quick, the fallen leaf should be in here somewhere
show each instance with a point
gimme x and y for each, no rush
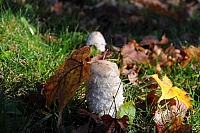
(131, 55)
(131, 74)
(167, 110)
(159, 57)
(177, 126)
(164, 40)
(149, 40)
(168, 91)
(152, 100)
(83, 113)
(111, 125)
(128, 108)
(67, 79)
(190, 53)
(105, 123)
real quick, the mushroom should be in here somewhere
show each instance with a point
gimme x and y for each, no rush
(104, 91)
(97, 39)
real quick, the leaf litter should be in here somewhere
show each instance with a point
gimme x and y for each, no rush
(56, 88)
(150, 51)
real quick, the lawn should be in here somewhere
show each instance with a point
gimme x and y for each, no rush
(33, 44)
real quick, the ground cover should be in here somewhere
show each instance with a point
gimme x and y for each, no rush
(35, 38)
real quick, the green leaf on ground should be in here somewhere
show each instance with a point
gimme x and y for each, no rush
(127, 109)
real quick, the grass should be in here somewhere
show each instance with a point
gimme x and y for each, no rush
(27, 58)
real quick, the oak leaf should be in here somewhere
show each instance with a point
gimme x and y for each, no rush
(168, 91)
(67, 79)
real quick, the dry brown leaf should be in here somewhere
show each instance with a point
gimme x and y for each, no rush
(190, 53)
(164, 40)
(67, 79)
(111, 125)
(105, 123)
(150, 40)
(152, 100)
(131, 55)
(131, 74)
(177, 126)
(167, 110)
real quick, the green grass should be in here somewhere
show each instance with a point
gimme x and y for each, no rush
(26, 59)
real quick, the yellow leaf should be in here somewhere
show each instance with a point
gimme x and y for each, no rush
(168, 91)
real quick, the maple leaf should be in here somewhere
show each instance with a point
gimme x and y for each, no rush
(67, 79)
(168, 91)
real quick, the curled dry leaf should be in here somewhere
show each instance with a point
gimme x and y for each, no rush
(67, 79)
(190, 53)
(131, 55)
(131, 74)
(168, 109)
(150, 40)
(169, 117)
(164, 40)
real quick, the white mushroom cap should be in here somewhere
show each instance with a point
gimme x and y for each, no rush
(104, 88)
(97, 39)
